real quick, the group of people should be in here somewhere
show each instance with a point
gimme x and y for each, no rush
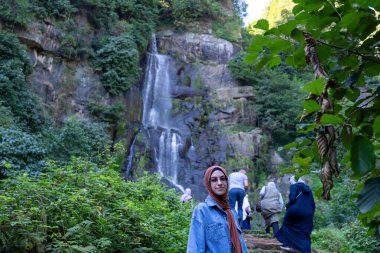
(216, 226)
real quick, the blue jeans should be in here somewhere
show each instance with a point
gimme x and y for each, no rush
(237, 194)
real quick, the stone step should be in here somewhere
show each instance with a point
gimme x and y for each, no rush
(263, 244)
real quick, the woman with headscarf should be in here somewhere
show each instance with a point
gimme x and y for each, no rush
(186, 196)
(271, 206)
(298, 221)
(214, 225)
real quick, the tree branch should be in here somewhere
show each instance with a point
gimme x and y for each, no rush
(352, 52)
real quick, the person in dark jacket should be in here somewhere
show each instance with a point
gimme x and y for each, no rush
(298, 221)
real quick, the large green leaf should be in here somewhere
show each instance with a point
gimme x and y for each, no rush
(274, 61)
(315, 87)
(277, 46)
(350, 20)
(370, 195)
(303, 162)
(314, 5)
(371, 68)
(311, 106)
(331, 119)
(376, 125)
(362, 156)
(288, 27)
(264, 61)
(251, 57)
(257, 43)
(262, 24)
(297, 9)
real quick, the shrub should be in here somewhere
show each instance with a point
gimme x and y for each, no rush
(20, 151)
(82, 208)
(358, 239)
(278, 99)
(43, 9)
(7, 119)
(329, 239)
(185, 11)
(118, 62)
(77, 138)
(15, 12)
(15, 89)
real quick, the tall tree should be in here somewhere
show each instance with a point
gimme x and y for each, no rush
(340, 39)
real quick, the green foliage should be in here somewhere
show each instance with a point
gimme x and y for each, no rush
(340, 210)
(204, 15)
(77, 138)
(329, 239)
(14, 13)
(185, 11)
(107, 113)
(7, 119)
(358, 239)
(16, 91)
(43, 9)
(20, 151)
(83, 208)
(74, 41)
(103, 14)
(240, 128)
(143, 17)
(118, 61)
(229, 29)
(277, 99)
(347, 48)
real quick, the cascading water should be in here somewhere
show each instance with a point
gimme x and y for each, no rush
(129, 159)
(157, 114)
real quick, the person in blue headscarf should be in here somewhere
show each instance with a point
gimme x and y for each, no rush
(298, 221)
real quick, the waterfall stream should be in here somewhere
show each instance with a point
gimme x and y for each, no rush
(157, 113)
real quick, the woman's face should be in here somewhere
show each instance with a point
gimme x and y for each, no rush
(218, 183)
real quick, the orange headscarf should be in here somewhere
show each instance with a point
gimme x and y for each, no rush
(222, 201)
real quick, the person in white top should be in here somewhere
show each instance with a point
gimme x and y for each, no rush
(186, 196)
(247, 215)
(238, 185)
(271, 206)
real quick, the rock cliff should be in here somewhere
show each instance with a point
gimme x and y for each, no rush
(207, 100)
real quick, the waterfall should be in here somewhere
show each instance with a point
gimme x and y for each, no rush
(129, 159)
(157, 113)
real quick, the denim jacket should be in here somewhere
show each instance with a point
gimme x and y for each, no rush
(209, 230)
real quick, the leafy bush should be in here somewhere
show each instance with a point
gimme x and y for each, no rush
(43, 9)
(329, 239)
(20, 151)
(278, 98)
(77, 138)
(229, 29)
(107, 113)
(15, 12)
(338, 211)
(358, 239)
(75, 41)
(185, 11)
(15, 89)
(7, 119)
(118, 61)
(82, 208)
